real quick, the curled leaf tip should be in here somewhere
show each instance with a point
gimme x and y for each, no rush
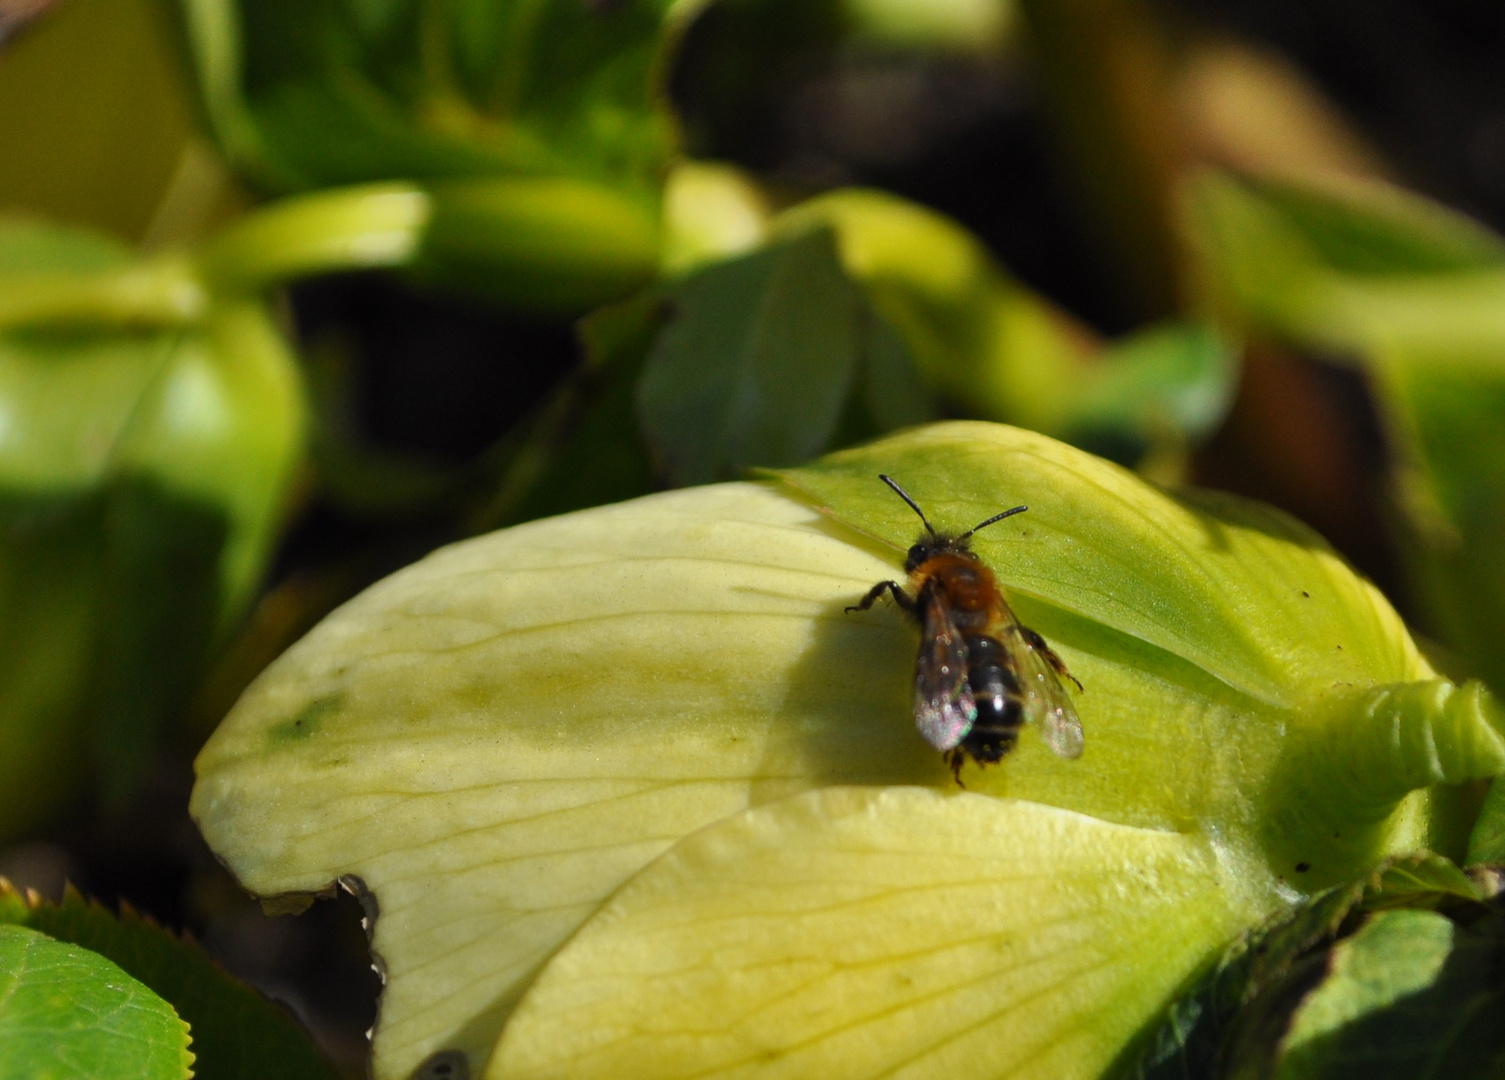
(1433, 732)
(1352, 781)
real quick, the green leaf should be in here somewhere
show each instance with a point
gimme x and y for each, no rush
(992, 349)
(1449, 485)
(1486, 844)
(1171, 381)
(69, 1014)
(31, 245)
(51, 560)
(236, 1031)
(496, 739)
(1422, 880)
(308, 95)
(1410, 994)
(1415, 292)
(1373, 230)
(368, 227)
(1191, 1042)
(979, 339)
(890, 393)
(553, 245)
(601, 457)
(1244, 1003)
(756, 363)
(1350, 266)
(852, 931)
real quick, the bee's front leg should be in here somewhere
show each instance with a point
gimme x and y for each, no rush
(900, 597)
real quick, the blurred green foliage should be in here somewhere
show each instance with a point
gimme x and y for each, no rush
(145, 454)
(171, 171)
(1415, 294)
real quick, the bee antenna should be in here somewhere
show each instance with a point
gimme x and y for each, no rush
(891, 482)
(996, 517)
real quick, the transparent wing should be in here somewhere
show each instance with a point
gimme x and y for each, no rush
(1045, 701)
(943, 706)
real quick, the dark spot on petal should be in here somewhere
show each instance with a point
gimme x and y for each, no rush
(306, 721)
(443, 1065)
(1306, 594)
(1303, 867)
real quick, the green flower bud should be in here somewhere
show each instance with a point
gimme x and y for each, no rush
(511, 743)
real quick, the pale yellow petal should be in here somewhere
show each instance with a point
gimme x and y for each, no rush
(495, 738)
(864, 933)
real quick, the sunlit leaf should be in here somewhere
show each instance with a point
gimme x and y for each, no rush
(1303, 660)
(69, 1014)
(496, 738)
(236, 1031)
(711, 212)
(1350, 266)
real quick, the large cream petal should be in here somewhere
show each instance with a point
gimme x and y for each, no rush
(863, 933)
(497, 737)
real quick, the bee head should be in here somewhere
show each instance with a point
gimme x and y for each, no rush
(929, 545)
(932, 543)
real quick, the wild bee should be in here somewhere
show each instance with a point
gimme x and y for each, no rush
(980, 674)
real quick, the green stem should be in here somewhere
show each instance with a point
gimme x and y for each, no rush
(160, 292)
(355, 228)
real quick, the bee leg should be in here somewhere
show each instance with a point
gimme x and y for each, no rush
(1037, 643)
(956, 758)
(900, 597)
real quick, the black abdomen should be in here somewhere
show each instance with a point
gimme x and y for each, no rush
(997, 693)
